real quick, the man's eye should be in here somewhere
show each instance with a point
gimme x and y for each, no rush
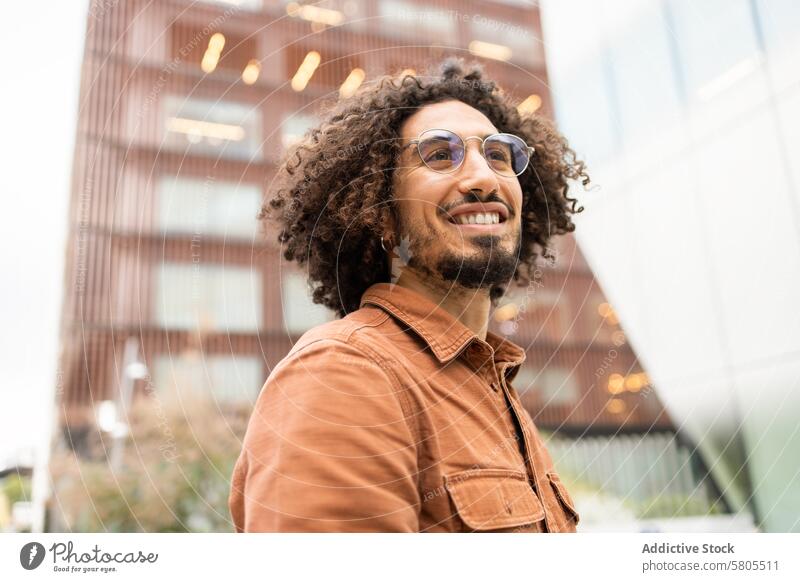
(498, 155)
(438, 155)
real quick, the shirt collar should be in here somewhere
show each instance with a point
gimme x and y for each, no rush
(444, 334)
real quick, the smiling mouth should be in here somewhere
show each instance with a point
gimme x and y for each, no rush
(478, 221)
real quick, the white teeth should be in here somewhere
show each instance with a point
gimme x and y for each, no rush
(479, 218)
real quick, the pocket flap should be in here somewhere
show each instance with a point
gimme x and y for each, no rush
(489, 499)
(563, 495)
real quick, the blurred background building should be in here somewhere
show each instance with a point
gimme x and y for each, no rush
(689, 116)
(172, 290)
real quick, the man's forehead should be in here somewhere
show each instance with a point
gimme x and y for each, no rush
(456, 116)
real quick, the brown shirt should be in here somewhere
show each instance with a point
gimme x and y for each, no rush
(396, 418)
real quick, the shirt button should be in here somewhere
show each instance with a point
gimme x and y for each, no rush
(495, 387)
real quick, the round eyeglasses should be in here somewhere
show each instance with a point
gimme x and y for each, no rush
(444, 151)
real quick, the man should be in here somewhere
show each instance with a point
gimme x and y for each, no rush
(413, 207)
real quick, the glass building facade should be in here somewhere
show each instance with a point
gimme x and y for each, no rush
(688, 114)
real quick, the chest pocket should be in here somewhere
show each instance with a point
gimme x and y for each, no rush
(494, 500)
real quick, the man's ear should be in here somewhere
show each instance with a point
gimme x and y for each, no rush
(390, 224)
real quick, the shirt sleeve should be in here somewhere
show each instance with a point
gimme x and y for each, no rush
(327, 448)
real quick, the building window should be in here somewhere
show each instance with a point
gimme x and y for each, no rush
(519, 3)
(552, 386)
(251, 5)
(208, 297)
(294, 127)
(213, 51)
(225, 379)
(717, 43)
(779, 20)
(208, 207)
(585, 93)
(552, 308)
(324, 13)
(525, 46)
(398, 17)
(300, 313)
(211, 127)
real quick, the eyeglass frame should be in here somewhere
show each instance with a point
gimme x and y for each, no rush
(417, 140)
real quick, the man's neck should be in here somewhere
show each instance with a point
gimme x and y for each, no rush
(469, 306)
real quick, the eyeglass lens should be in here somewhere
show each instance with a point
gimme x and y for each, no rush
(443, 151)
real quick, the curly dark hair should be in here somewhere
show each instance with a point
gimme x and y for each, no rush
(333, 190)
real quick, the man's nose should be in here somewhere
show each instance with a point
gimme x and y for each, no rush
(476, 173)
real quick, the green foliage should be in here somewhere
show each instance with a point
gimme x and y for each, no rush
(16, 488)
(173, 475)
(666, 506)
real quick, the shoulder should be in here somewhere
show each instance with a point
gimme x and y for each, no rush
(361, 333)
(338, 373)
(345, 351)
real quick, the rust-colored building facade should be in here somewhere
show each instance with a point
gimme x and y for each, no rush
(185, 110)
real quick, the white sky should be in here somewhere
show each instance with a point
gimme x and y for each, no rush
(42, 48)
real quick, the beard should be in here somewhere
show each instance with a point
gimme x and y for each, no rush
(493, 265)
(490, 267)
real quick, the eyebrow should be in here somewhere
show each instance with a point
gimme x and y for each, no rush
(480, 135)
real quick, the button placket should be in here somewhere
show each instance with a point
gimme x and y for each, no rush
(492, 376)
(529, 462)
(494, 381)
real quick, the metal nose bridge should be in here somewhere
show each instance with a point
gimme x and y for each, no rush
(480, 150)
(479, 138)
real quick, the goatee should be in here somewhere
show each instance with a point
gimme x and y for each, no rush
(492, 266)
